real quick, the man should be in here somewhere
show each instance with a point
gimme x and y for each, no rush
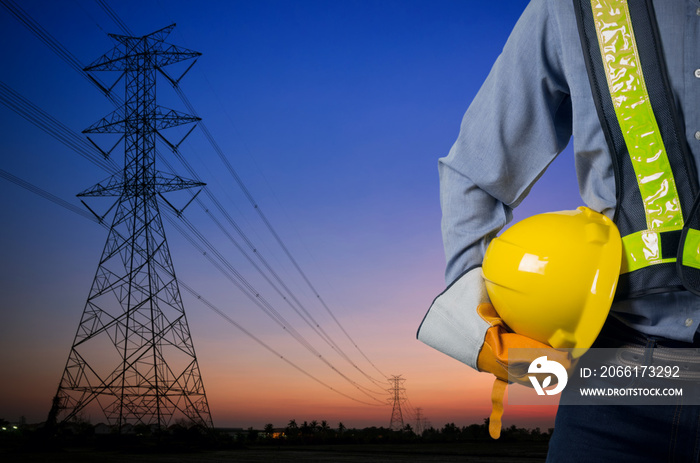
(545, 88)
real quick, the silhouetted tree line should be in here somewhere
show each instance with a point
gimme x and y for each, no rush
(182, 438)
(480, 432)
(177, 438)
(315, 432)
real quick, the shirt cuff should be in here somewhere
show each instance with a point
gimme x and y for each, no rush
(452, 324)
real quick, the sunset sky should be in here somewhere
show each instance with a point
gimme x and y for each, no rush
(333, 114)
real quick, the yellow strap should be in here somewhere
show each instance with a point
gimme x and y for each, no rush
(635, 115)
(642, 249)
(497, 393)
(691, 249)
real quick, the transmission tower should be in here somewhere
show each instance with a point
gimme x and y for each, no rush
(420, 421)
(395, 390)
(133, 355)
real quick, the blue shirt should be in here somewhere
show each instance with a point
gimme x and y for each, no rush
(536, 97)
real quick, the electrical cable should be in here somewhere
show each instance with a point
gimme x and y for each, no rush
(40, 118)
(67, 56)
(63, 53)
(255, 296)
(267, 223)
(63, 133)
(306, 316)
(76, 210)
(55, 46)
(46, 195)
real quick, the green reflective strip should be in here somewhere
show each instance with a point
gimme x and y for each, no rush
(642, 249)
(630, 98)
(691, 249)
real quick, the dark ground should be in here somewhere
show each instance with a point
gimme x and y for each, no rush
(494, 452)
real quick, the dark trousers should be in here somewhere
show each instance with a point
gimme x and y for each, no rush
(627, 433)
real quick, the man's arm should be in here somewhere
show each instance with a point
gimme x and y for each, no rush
(515, 127)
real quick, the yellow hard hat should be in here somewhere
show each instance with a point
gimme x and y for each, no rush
(552, 276)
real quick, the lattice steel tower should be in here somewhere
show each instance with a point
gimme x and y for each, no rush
(132, 356)
(396, 422)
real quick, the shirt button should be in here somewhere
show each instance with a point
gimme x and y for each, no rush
(697, 135)
(697, 73)
(688, 322)
(697, 12)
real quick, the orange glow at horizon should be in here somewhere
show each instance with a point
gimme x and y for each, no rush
(335, 119)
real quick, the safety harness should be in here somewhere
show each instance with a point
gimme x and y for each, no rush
(655, 175)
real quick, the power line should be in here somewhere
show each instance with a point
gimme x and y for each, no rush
(64, 134)
(53, 44)
(266, 346)
(224, 266)
(256, 206)
(121, 24)
(46, 195)
(289, 296)
(266, 221)
(76, 210)
(49, 124)
(113, 15)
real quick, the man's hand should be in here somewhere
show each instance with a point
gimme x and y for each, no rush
(495, 358)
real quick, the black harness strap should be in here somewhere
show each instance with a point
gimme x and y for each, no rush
(629, 214)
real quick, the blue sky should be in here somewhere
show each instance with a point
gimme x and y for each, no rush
(334, 115)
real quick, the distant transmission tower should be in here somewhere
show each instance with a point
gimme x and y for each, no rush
(395, 390)
(133, 355)
(420, 421)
